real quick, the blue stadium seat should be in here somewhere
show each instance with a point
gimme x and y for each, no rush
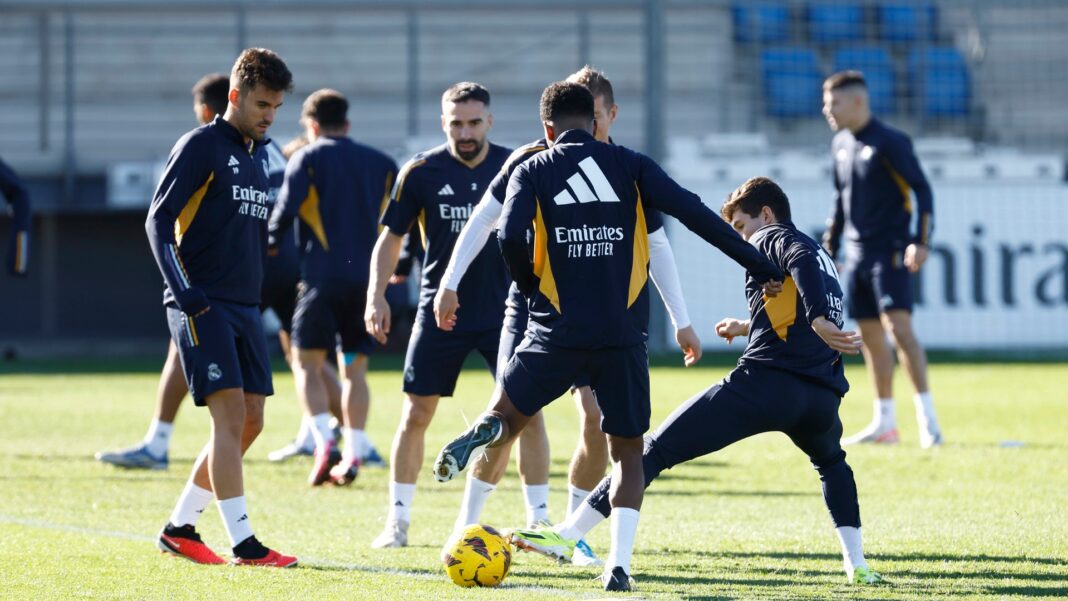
(938, 78)
(792, 82)
(762, 22)
(878, 69)
(907, 21)
(830, 22)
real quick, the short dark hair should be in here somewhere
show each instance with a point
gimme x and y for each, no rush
(844, 79)
(329, 108)
(596, 82)
(466, 91)
(213, 90)
(755, 194)
(564, 100)
(261, 67)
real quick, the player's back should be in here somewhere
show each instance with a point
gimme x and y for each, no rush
(590, 244)
(348, 185)
(780, 334)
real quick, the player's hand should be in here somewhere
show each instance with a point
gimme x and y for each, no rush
(772, 288)
(690, 345)
(272, 251)
(376, 318)
(843, 341)
(729, 328)
(445, 304)
(397, 279)
(916, 256)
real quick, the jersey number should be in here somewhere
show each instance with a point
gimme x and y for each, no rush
(827, 265)
(582, 192)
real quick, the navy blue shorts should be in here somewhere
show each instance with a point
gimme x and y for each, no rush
(877, 284)
(329, 316)
(223, 348)
(279, 293)
(538, 374)
(435, 357)
(514, 329)
(751, 400)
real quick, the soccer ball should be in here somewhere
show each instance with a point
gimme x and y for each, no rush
(479, 556)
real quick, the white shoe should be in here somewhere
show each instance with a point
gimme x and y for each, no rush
(876, 433)
(583, 555)
(289, 451)
(394, 535)
(930, 435)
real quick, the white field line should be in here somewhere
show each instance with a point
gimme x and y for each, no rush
(307, 561)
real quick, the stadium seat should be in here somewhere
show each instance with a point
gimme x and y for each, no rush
(906, 21)
(938, 79)
(830, 22)
(792, 81)
(762, 22)
(878, 69)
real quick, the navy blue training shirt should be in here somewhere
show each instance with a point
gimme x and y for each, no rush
(875, 173)
(15, 192)
(208, 221)
(780, 334)
(585, 201)
(338, 187)
(437, 190)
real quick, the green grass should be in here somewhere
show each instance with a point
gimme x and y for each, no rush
(974, 519)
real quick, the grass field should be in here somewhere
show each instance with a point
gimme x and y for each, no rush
(981, 517)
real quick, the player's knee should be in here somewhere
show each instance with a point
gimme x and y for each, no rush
(417, 415)
(253, 422)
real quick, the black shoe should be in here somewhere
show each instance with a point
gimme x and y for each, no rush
(617, 580)
(455, 456)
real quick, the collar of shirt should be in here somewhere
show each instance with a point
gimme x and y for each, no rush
(869, 128)
(229, 131)
(575, 136)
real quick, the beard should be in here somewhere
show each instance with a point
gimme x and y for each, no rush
(469, 154)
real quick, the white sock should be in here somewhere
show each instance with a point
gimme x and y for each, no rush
(400, 501)
(235, 518)
(925, 412)
(352, 443)
(537, 496)
(158, 438)
(885, 416)
(852, 549)
(475, 494)
(363, 442)
(624, 527)
(579, 522)
(322, 430)
(575, 497)
(191, 503)
(305, 439)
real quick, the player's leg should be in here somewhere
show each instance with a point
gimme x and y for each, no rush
(588, 464)
(314, 337)
(431, 367)
(356, 403)
(406, 459)
(154, 449)
(913, 357)
(534, 377)
(864, 303)
(817, 434)
(356, 348)
(308, 375)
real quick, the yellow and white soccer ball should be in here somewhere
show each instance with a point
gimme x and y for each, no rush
(479, 556)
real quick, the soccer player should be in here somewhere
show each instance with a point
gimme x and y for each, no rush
(591, 455)
(790, 379)
(14, 191)
(875, 173)
(438, 189)
(339, 188)
(281, 273)
(208, 230)
(586, 291)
